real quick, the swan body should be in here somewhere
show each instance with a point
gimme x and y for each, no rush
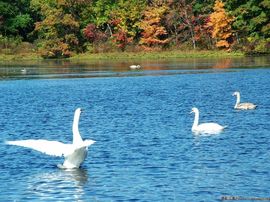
(23, 71)
(204, 128)
(135, 66)
(242, 106)
(74, 153)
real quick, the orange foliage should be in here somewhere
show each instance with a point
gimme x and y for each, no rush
(121, 39)
(220, 23)
(153, 32)
(55, 49)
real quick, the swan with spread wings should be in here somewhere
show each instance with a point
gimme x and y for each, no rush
(74, 153)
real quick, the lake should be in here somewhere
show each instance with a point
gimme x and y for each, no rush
(141, 122)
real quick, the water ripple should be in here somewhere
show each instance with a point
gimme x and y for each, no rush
(145, 150)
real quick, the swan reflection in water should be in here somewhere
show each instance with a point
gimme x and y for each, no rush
(63, 185)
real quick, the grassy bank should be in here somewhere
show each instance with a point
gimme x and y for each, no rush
(25, 56)
(157, 55)
(132, 55)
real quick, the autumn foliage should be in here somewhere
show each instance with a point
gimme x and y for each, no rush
(62, 28)
(153, 33)
(121, 39)
(58, 30)
(90, 32)
(220, 22)
(93, 34)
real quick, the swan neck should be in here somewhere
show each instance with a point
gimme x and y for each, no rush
(196, 120)
(237, 99)
(75, 128)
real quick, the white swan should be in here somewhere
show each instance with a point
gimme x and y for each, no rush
(135, 66)
(205, 128)
(74, 153)
(23, 71)
(242, 106)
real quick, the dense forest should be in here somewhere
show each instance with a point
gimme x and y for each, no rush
(62, 28)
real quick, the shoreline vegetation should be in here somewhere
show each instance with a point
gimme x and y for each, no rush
(137, 29)
(169, 54)
(157, 55)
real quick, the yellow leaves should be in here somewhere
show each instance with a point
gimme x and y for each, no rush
(68, 20)
(55, 49)
(38, 26)
(128, 14)
(58, 29)
(153, 32)
(223, 43)
(219, 5)
(220, 22)
(62, 2)
(71, 39)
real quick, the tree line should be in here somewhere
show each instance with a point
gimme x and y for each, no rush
(61, 28)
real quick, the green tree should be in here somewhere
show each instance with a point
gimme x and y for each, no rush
(128, 13)
(252, 23)
(99, 14)
(16, 18)
(59, 29)
(124, 22)
(203, 7)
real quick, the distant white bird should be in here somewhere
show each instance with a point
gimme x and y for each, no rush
(74, 153)
(244, 105)
(205, 128)
(135, 66)
(23, 71)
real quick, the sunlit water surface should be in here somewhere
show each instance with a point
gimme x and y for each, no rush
(141, 122)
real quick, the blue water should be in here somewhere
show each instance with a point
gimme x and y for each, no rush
(144, 150)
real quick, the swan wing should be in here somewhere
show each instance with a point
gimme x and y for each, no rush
(210, 127)
(53, 148)
(87, 143)
(246, 105)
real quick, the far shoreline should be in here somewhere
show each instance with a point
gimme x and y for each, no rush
(160, 55)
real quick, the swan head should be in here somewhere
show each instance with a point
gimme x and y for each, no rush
(194, 110)
(78, 111)
(235, 93)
